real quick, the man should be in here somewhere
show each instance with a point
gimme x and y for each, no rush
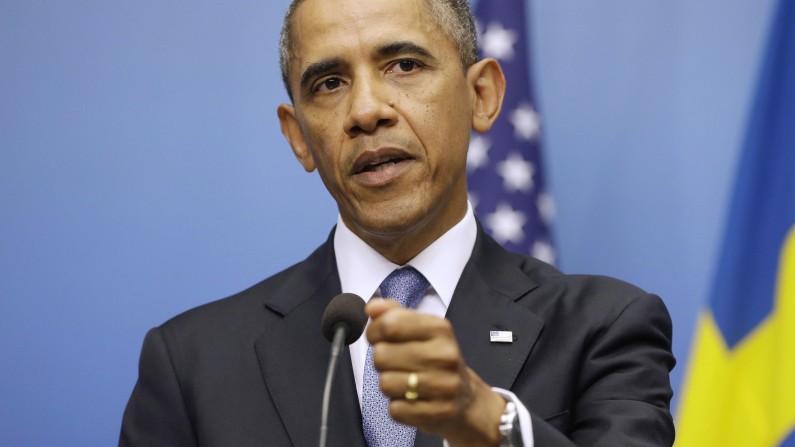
(384, 94)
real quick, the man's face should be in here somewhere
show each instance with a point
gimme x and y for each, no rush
(383, 110)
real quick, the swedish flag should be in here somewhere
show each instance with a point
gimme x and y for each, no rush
(740, 389)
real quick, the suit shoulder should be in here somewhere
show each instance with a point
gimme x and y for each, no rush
(510, 273)
(546, 274)
(585, 293)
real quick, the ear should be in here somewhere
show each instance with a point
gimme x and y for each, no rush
(488, 84)
(291, 129)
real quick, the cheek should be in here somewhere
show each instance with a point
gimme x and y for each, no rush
(320, 125)
(323, 142)
(448, 123)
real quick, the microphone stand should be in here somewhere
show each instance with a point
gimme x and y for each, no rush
(336, 348)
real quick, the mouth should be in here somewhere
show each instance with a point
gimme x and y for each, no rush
(379, 160)
(381, 167)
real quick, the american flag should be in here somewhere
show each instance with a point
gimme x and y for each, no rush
(506, 179)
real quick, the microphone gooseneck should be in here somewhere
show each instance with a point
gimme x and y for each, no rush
(343, 323)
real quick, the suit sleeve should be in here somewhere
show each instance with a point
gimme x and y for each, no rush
(156, 414)
(624, 389)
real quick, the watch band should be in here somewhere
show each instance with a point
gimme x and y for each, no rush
(510, 432)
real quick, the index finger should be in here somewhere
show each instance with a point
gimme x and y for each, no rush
(377, 306)
(397, 324)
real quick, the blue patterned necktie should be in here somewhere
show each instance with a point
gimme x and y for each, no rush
(406, 286)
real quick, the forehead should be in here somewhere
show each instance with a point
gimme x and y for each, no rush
(334, 28)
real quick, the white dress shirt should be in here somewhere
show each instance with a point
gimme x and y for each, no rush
(362, 269)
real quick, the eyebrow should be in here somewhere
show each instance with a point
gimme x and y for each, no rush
(318, 68)
(403, 47)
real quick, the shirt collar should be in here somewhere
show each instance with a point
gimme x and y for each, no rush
(362, 269)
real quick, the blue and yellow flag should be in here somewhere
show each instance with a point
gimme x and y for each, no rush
(740, 389)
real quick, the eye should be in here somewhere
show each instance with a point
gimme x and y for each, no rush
(407, 65)
(404, 66)
(328, 84)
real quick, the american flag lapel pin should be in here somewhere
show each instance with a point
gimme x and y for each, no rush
(501, 336)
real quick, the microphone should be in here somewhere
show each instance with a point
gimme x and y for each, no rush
(343, 323)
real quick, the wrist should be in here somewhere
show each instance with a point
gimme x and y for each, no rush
(481, 420)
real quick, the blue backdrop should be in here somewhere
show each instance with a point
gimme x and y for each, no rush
(142, 172)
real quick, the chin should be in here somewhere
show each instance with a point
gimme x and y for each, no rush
(389, 225)
(391, 219)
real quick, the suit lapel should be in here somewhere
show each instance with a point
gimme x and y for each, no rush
(293, 356)
(487, 299)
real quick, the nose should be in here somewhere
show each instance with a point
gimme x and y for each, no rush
(370, 107)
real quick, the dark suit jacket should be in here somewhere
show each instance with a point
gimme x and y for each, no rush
(590, 359)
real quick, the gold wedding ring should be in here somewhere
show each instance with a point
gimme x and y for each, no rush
(412, 392)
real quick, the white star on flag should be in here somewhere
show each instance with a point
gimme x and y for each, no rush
(516, 172)
(525, 122)
(506, 224)
(544, 251)
(478, 154)
(498, 42)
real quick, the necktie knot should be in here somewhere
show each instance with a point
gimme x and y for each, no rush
(406, 286)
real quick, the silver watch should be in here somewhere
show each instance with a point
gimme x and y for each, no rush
(510, 432)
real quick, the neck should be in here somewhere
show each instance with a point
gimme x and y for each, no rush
(404, 244)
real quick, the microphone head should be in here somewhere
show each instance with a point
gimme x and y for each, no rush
(346, 309)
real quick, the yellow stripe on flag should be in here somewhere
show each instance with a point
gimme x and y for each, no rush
(744, 397)
(783, 366)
